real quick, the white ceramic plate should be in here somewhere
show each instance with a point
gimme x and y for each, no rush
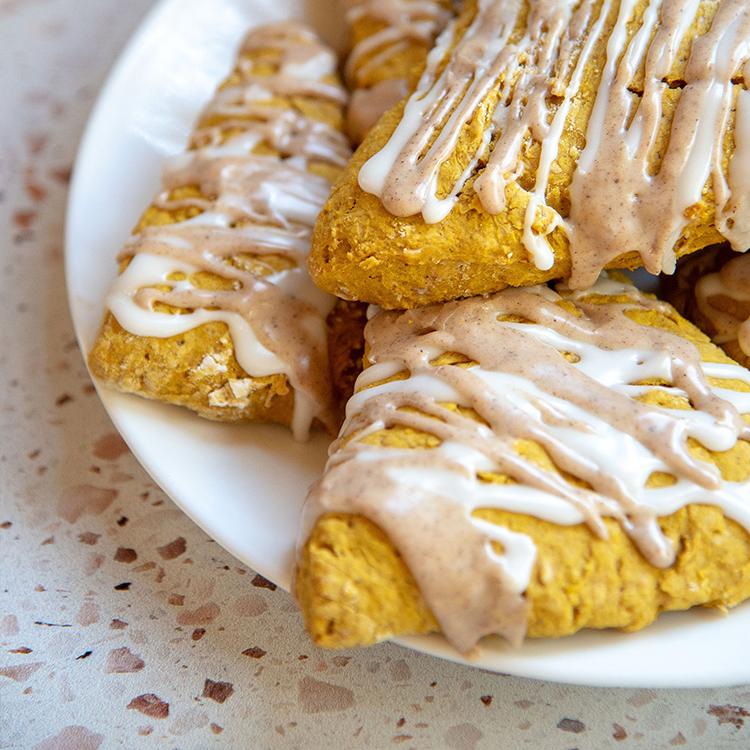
(245, 484)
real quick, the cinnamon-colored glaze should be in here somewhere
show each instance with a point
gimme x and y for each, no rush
(563, 370)
(249, 202)
(619, 203)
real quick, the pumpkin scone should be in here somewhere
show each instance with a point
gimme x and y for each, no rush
(214, 309)
(549, 139)
(712, 289)
(530, 463)
(390, 40)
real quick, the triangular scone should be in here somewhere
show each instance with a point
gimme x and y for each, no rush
(548, 140)
(213, 308)
(390, 40)
(712, 289)
(534, 462)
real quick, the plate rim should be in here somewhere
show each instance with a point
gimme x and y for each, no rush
(432, 644)
(117, 73)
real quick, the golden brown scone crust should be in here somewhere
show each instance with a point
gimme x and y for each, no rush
(355, 589)
(198, 369)
(406, 63)
(403, 63)
(362, 252)
(679, 290)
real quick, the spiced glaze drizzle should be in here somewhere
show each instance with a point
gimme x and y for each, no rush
(253, 204)
(618, 203)
(571, 379)
(404, 22)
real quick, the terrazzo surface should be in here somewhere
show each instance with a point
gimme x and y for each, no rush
(121, 623)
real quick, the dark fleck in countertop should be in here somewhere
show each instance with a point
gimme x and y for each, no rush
(121, 623)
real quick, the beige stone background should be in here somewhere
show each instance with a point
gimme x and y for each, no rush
(121, 623)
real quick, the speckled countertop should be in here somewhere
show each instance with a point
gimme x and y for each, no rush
(121, 623)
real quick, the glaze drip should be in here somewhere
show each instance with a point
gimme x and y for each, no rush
(629, 193)
(248, 218)
(302, 63)
(573, 372)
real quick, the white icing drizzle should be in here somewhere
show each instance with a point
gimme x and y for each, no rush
(404, 23)
(584, 409)
(250, 204)
(731, 282)
(618, 204)
(733, 205)
(304, 62)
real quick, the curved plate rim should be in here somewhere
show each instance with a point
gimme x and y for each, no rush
(573, 660)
